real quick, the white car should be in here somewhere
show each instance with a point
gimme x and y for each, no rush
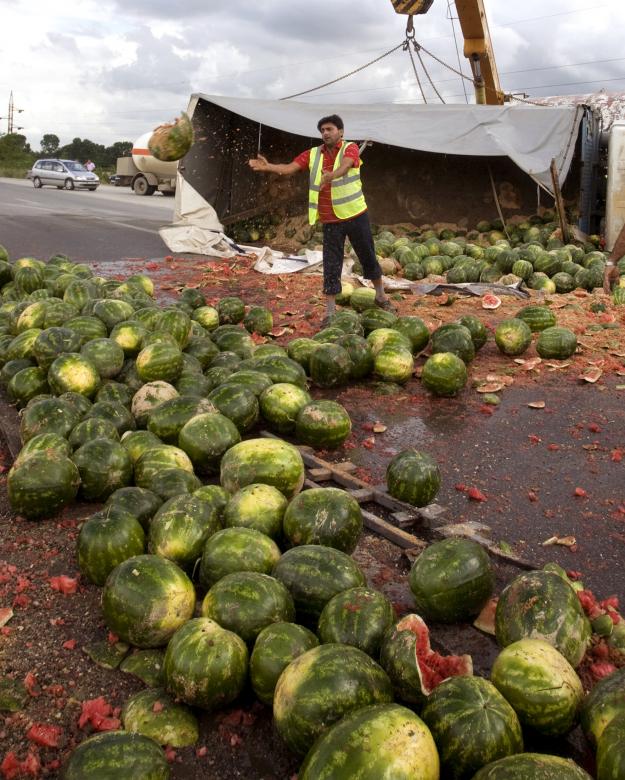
(63, 174)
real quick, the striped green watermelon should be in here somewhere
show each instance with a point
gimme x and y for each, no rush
(329, 335)
(52, 342)
(321, 686)
(330, 365)
(139, 502)
(358, 617)
(205, 665)
(605, 702)
(159, 361)
(117, 413)
(231, 309)
(22, 346)
(169, 418)
(58, 313)
(413, 667)
(281, 403)
(526, 766)
(137, 442)
(87, 327)
(610, 752)
(44, 442)
(453, 338)
(255, 381)
(359, 353)
(556, 343)
(268, 461)
(33, 316)
(155, 714)
(13, 367)
(207, 316)
(475, 326)
(129, 336)
(394, 364)
(111, 311)
(300, 350)
(237, 404)
(27, 384)
(374, 742)
(256, 506)
(444, 374)
(42, 483)
(325, 516)
(147, 398)
(78, 402)
(236, 549)
(247, 601)
(146, 599)
(205, 438)
(275, 647)
(542, 605)
(314, 574)
(513, 336)
(472, 725)
(50, 415)
(413, 477)
(451, 580)
(106, 356)
(104, 466)
(537, 317)
(281, 369)
(72, 372)
(376, 319)
(180, 527)
(540, 684)
(362, 298)
(92, 428)
(114, 391)
(258, 320)
(117, 754)
(193, 385)
(154, 460)
(237, 341)
(323, 425)
(203, 349)
(214, 495)
(106, 539)
(380, 338)
(173, 481)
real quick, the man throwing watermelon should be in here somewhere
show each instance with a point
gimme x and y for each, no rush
(335, 198)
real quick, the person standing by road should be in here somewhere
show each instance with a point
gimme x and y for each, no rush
(335, 198)
(90, 166)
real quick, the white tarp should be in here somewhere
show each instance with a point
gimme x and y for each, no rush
(529, 135)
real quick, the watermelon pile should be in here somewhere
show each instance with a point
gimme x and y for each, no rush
(135, 406)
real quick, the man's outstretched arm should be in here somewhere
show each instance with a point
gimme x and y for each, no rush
(261, 165)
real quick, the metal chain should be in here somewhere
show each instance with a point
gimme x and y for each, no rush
(440, 97)
(351, 73)
(406, 45)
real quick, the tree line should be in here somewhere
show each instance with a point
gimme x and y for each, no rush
(15, 151)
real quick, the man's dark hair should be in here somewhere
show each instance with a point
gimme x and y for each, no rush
(333, 119)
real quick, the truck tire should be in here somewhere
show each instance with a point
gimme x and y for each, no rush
(141, 186)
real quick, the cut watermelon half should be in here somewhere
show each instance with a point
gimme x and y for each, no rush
(490, 301)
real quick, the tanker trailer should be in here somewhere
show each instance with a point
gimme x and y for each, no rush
(144, 173)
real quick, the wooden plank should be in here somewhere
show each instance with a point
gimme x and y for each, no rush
(347, 465)
(362, 495)
(320, 474)
(396, 535)
(559, 202)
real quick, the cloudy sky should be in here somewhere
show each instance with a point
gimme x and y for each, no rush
(112, 70)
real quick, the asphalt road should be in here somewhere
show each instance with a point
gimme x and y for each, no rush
(109, 224)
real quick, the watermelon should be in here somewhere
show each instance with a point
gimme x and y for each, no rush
(275, 647)
(207, 316)
(52, 342)
(205, 665)
(605, 702)
(128, 336)
(111, 311)
(173, 481)
(377, 319)
(42, 483)
(203, 349)
(33, 316)
(177, 322)
(325, 516)
(13, 367)
(321, 686)
(281, 369)
(106, 539)
(169, 418)
(262, 350)
(330, 365)
(180, 527)
(314, 573)
(92, 428)
(301, 350)
(532, 765)
(237, 404)
(258, 320)
(255, 381)
(479, 334)
(246, 601)
(453, 338)
(472, 725)
(237, 341)
(451, 580)
(117, 754)
(50, 415)
(542, 605)
(79, 403)
(73, 372)
(413, 477)
(231, 309)
(394, 364)
(268, 461)
(540, 684)
(115, 412)
(137, 442)
(444, 374)
(104, 466)
(235, 550)
(381, 338)
(556, 343)
(214, 495)
(155, 714)
(146, 599)
(114, 391)
(358, 617)
(27, 384)
(415, 330)
(280, 405)
(537, 317)
(44, 442)
(513, 336)
(139, 502)
(206, 437)
(148, 398)
(159, 361)
(226, 360)
(129, 376)
(610, 753)
(374, 742)
(359, 353)
(323, 425)
(22, 346)
(256, 506)
(362, 298)
(151, 463)
(413, 667)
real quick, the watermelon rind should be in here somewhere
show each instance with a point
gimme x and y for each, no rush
(358, 617)
(610, 752)
(155, 714)
(532, 766)
(326, 516)
(414, 477)
(106, 539)
(267, 461)
(605, 702)
(236, 549)
(117, 754)
(256, 506)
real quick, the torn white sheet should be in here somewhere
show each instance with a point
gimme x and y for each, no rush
(390, 283)
(279, 263)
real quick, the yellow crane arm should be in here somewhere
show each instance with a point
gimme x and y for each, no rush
(478, 49)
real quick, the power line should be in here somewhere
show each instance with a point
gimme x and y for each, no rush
(551, 16)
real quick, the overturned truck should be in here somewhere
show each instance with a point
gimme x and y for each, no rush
(423, 164)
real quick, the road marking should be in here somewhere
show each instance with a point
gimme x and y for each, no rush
(130, 227)
(32, 204)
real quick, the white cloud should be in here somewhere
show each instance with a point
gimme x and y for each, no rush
(111, 70)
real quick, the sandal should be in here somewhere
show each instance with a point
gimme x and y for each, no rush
(325, 322)
(386, 305)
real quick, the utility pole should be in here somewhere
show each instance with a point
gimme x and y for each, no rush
(9, 118)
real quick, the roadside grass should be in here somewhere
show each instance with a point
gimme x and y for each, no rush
(14, 172)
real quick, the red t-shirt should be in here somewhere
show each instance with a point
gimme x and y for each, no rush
(326, 212)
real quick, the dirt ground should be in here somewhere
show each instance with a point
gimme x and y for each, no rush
(553, 469)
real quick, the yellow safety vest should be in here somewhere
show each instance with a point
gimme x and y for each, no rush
(347, 198)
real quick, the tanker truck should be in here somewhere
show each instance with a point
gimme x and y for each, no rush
(143, 172)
